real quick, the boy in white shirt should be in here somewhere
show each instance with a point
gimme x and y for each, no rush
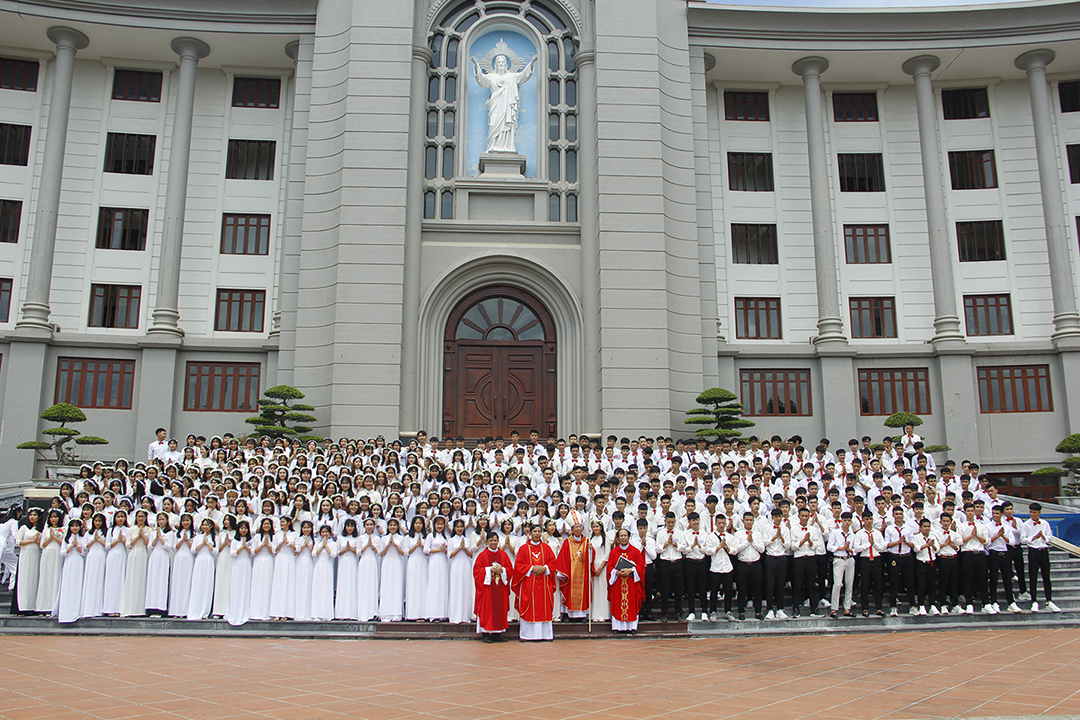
(1036, 534)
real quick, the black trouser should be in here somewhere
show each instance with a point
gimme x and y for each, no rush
(973, 574)
(1016, 558)
(804, 582)
(824, 574)
(902, 578)
(716, 581)
(696, 575)
(1039, 561)
(748, 578)
(670, 577)
(650, 590)
(999, 565)
(925, 582)
(872, 573)
(775, 571)
(948, 580)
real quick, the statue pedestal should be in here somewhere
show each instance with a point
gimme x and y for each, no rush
(502, 165)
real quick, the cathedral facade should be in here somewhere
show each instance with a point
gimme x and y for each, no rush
(476, 216)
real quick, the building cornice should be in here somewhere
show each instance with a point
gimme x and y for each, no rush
(883, 29)
(250, 16)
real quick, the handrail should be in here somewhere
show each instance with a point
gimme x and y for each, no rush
(1068, 547)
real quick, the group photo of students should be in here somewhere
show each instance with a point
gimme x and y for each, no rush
(573, 529)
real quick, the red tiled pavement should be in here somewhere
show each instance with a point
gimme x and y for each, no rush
(904, 675)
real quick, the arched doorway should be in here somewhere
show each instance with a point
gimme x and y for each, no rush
(499, 352)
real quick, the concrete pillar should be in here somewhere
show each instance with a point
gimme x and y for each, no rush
(414, 218)
(830, 321)
(946, 319)
(166, 315)
(35, 309)
(1066, 318)
(154, 406)
(589, 202)
(23, 401)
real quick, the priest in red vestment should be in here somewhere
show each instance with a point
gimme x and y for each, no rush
(626, 586)
(574, 566)
(491, 575)
(534, 585)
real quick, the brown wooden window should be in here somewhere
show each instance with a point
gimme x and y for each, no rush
(91, 383)
(1017, 388)
(965, 103)
(1027, 486)
(776, 392)
(256, 92)
(867, 244)
(855, 107)
(138, 85)
(1072, 152)
(873, 317)
(250, 160)
(221, 387)
(245, 234)
(861, 172)
(972, 169)
(240, 310)
(980, 241)
(5, 299)
(754, 244)
(130, 154)
(751, 172)
(122, 229)
(988, 314)
(18, 74)
(14, 144)
(1069, 95)
(883, 392)
(10, 216)
(115, 306)
(757, 318)
(743, 105)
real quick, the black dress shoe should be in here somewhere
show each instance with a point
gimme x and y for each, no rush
(487, 638)
(742, 616)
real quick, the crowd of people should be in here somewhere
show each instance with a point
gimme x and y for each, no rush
(539, 531)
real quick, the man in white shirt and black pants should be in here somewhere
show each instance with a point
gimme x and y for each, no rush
(777, 536)
(669, 567)
(1035, 534)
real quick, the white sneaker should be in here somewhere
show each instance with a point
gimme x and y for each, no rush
(1014, 608)
(934, 610)
(922, 610)
(1052, 607)
(823, 603)
(957, 610)
(893, 613)
(1035, 607)
(781, 615)
(770, 615)
(988, 609)
(913, 611)
(970, 610)
(997, 608)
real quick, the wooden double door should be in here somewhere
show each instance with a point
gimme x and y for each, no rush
(499, 366)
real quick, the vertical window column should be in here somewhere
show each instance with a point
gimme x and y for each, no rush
(1062, 288)
(166, 316)
(830, 323)
(946, 319)
(35, 310)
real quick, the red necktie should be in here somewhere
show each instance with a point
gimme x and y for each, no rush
(871, 535)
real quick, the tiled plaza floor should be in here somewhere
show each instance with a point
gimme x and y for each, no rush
(904, 675)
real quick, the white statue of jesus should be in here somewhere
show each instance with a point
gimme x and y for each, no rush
(502, 104)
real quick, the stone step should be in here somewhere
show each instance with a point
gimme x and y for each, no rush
(806, 625)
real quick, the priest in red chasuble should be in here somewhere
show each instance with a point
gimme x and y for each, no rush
(574, 567)
(626, 583)
(491, 575)
(534, 585)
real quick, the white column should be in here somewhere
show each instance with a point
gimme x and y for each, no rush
(830, 321)
(946, 319)
(1066, 318)
(35, 309)
(588, 216)
(166, 310)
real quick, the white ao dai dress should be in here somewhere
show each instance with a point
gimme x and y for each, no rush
(322, 579)
(262, 578)
(183, 564)
(461, 588)
(367, 578)
(115, 570)
(282, 590)
(94, 560)
(416, 571)
(438, 579)
(138, 561)
(201, 598)
(238, 610)
(157, 570)
(347, 560)
(69, 598)
(392, 577)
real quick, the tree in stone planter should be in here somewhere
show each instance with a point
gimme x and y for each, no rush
(1069, 466)
(60, 436)
(722, 411)
(900, 420)
(275, 413)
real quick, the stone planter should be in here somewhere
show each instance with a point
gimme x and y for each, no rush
(59, 473)
(1072, 501)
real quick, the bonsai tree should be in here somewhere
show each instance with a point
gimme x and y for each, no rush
(721, 411)
(1069, 466)
(61, 435)
(900, 420)
(276, 414)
